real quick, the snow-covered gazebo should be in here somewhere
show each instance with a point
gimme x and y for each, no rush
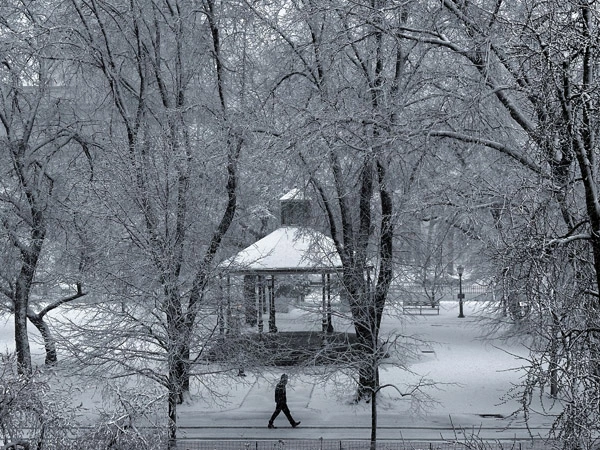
(293, 248)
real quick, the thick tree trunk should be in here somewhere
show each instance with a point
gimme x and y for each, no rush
(21, 301)
(29, 256)
(367, 339)
(361, 310)
(368, 379)
(22, 338)
(173, 402)
(183, 371)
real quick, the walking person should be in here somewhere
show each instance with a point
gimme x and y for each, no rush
(281, 403)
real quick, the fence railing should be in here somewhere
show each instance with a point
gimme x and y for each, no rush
(413, 293)
(327, 444)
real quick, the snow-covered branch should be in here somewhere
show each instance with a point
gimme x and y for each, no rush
(568, 239)
(509, 151)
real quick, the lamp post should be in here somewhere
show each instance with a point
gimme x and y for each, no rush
(460, 269)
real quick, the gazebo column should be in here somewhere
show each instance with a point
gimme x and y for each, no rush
(323, 305)
(250, 299)
(228, 316)
(220, 307)
(326, 325)
(260, 298)
(271, 296)
(329, 323)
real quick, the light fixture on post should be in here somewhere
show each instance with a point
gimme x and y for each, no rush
(460, 270)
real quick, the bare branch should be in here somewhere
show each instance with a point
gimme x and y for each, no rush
(513, 153)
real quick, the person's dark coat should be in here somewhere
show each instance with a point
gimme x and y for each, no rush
(280, 394)
(281, 403)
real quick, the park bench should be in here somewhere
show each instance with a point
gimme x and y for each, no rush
(420, 306)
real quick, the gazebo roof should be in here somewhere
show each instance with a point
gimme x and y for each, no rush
(287, 250)
(294, 194)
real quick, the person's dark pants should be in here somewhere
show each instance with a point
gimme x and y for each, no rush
(286, 411)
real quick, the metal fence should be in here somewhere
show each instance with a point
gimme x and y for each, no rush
(415, 293)
(322, 444)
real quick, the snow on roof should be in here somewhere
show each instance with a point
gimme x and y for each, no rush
(294, 194)
(287, 249)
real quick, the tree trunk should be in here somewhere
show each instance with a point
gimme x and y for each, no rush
(553, 364)
(367, 373)
(29, 260)
(553, 374)
(49, 343)
(22, 338)
(178, 381)
(373, 419)
(37, 319)
(184, 371)
(173, 401)
(21, 300)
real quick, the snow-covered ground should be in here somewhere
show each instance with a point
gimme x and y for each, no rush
(472, 376)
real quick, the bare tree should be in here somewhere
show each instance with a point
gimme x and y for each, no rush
(341, 100)
(173, 194)
(38, 136)
(534, 66)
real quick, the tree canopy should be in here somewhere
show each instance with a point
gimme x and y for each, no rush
(144, 142)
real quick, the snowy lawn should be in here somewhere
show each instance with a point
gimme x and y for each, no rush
(472, 377)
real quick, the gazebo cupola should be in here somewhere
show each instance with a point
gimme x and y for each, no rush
(295, 209)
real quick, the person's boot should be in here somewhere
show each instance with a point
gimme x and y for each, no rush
(271, 425)
(295, 424)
